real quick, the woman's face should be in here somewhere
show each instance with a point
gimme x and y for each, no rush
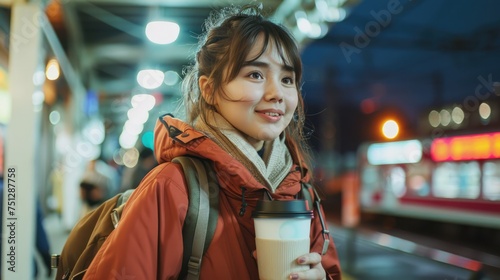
(261, 100)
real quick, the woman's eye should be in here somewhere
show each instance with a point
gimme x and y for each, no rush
(288, 81)
(255, 75)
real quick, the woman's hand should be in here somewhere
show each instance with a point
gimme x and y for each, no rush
(314, 261)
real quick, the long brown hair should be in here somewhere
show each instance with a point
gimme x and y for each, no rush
(230, 34)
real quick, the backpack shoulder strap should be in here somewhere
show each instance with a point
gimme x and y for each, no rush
(310, 194)
(202, 214)
(116, 213)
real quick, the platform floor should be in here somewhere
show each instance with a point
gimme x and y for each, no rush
(374, 256)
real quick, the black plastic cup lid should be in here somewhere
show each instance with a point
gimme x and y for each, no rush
(282, 209)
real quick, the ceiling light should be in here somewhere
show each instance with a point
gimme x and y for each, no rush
(434, 118)
(127, 140)
(131, 157)
(303, 23)
(457, 115)
(133, 128)
(150, 79)
(335, 14)
(94, 131)
(162, 32)
(54, 117)
(144, 101)
(138, 115)
(171, 78)
(52, 69)
(484, 111)
(39, 78)
(317, 30)
(445, 117)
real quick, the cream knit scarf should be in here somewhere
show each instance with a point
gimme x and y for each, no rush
(269, 170)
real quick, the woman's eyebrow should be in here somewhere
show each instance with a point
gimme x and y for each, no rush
(262, 64)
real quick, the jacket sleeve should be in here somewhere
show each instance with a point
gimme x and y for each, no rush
(147, 244)
(330, 260)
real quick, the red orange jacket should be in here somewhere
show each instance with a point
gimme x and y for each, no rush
(148, 242)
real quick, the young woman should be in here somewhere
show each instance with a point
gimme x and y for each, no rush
(244, 114)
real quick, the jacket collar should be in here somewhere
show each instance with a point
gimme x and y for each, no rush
(174, 138)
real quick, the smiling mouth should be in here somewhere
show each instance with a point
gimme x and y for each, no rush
(272, 114)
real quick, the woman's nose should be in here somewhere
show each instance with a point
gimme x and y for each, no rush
(274, 91)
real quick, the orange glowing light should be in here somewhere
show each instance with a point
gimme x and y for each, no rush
(439, 150)
(471, 147)
(482, 146)
(390, 129)
(496, 145)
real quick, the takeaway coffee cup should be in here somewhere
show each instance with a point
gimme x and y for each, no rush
(281, 236)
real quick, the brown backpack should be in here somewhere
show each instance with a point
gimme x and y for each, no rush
(88, 235)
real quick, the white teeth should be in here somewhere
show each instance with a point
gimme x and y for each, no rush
(272, 114)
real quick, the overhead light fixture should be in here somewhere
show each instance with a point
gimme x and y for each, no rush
(303, 23)
(150, 78)
(52, 69)
(162, 32)
(171, 78)
(143, 101)
(484, 111)
(138, 115)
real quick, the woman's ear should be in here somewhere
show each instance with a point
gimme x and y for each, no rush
(206, 89)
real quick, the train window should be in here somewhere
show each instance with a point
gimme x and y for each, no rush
(444, 181)
(397, 179)
(418, 178)
(491, 180)
(470, 179)
(457, 180)
(371, 185)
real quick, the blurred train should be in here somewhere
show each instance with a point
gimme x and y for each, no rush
(452, 180)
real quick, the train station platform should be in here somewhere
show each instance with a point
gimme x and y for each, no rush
(372, 255)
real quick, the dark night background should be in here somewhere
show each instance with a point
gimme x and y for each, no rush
(401, 58)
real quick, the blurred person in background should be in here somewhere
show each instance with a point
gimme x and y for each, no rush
(98, 183)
